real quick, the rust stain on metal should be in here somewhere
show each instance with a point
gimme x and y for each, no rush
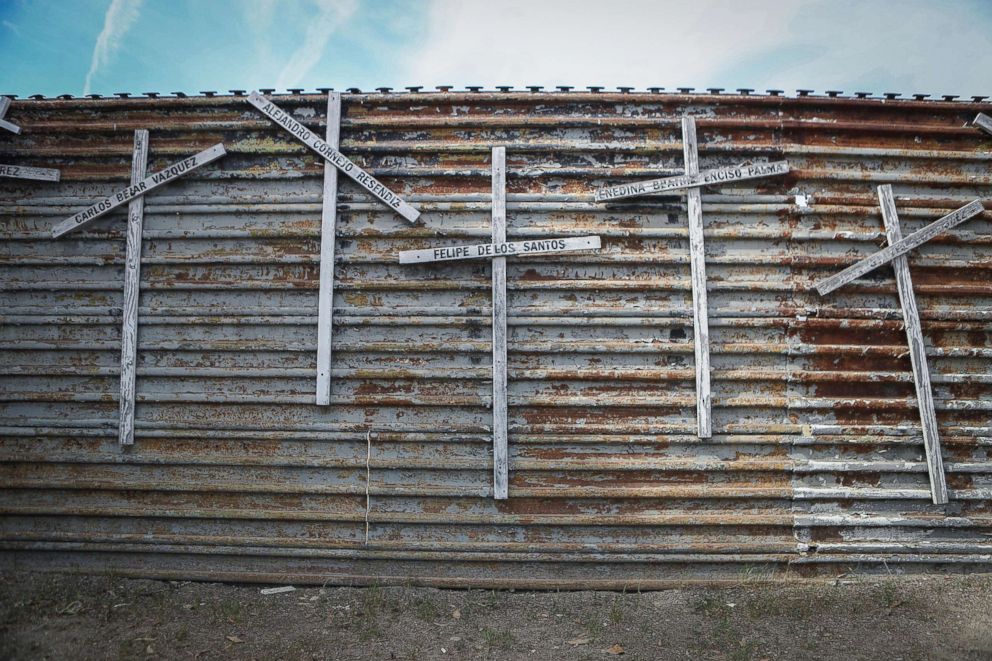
(815, 465)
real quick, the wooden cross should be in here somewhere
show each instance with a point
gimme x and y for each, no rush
(898, 247)
(334, 161)
(498, 251)
(691, 182)
(983, 122)
(134, 195)
(4, 107)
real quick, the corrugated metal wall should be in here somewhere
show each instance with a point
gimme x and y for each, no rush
(816, 463)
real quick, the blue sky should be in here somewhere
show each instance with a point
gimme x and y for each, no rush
(105, 46)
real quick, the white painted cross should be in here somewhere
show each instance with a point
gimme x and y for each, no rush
(134, 195)
(4, 107)
(691, 182)
(898, 247)
(983, 122)
(331, 154)
(498, 251)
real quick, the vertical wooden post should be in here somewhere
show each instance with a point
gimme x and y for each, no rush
(132, 281)
(917, 351)
(328, 229)
(500, 458)
(697, 260)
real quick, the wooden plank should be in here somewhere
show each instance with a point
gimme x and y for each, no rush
(4, 107)
(983, 122)
(508, 249)
(328, 230)
(132, 278)
(22, 172)
(13, 128)
(157, 179)
(912, 241)
(333, 156)
(697, 264)
(917, 352)
(500, 452)
(686, 181)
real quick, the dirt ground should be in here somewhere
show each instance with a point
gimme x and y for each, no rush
(45, 616)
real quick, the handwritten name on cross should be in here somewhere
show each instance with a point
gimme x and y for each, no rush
(498, 251)
(22, 172)
(138, 189)
(4, 107)
(691, 182)
(895, 253)
(330, 153)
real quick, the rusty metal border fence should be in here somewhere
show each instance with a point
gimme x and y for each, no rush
(815, 466)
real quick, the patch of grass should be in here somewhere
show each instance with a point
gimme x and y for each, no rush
(425, 608)
(230, 609)
(616, 611)
(711, 605)
(743, 652)
(497, 639)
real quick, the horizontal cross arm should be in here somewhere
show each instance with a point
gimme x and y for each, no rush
(21, 172)
(13, 128)
(146, 185)
(333, 156)
(690, 180)
(507, 249)
(912, 241)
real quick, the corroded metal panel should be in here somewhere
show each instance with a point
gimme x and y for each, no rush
(815, 466)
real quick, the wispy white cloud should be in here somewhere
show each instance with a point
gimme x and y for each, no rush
(630, 42)
(121, 15)
(914, 45)
(330, 15)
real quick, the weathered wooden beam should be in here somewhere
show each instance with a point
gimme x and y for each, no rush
(132, 277)
(983, 122)
(22, 172)
(147, 185)
(328, 230)
(333, 156)
(686, 181)
(4, 107)
(500, 451)
(697, 264)
(508, 249)
(901, 247)
(917, 352)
